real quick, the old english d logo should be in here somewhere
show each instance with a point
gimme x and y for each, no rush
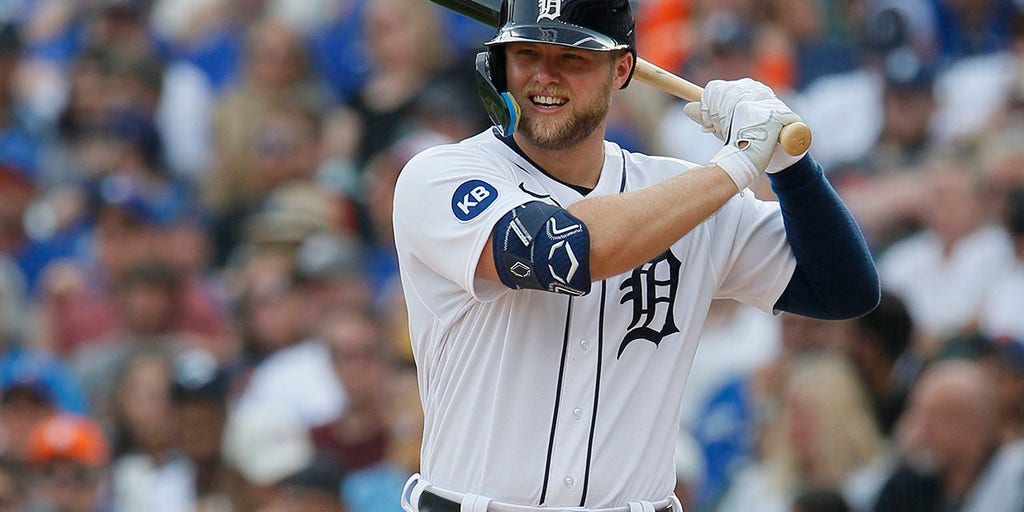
(550, 9)
(652, 290)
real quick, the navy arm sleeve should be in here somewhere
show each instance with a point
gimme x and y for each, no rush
(835, 275)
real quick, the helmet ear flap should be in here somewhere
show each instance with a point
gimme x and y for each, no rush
(500, 105)
(496, 66)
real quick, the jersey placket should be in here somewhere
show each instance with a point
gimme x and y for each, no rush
(574, 420)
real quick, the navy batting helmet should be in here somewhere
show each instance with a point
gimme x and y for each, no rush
(600, 25)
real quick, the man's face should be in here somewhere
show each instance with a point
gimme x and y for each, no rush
(939, 414)
(68, 485)
(564, 93)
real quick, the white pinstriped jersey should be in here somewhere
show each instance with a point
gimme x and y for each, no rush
(532, 397)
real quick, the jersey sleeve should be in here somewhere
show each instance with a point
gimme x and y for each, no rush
(752, 259)
(447, 201)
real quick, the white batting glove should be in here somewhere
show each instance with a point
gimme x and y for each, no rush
(754, 140)
(714, 111)
(780, 159)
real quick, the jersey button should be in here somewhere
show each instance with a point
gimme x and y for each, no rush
(585, 345)
(577, 413)
(569, 482)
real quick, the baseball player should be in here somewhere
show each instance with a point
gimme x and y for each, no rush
(557, 284)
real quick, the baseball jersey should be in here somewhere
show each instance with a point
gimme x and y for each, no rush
(537, 398)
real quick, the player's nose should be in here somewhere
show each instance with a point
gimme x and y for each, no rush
(546, 71)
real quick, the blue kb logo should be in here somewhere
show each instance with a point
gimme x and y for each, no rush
(472, 198)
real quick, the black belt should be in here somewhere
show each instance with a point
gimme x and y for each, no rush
(430, 502)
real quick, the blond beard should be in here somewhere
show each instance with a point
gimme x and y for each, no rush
(557, 134)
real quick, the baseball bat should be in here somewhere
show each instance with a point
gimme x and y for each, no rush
(795, 138)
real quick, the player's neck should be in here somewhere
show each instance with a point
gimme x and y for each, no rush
(579, 165)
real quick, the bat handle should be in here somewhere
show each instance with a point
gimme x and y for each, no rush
(794, 137)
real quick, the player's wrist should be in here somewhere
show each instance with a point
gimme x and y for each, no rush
(737, 165)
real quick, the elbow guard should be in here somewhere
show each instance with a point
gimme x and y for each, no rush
(542, 247)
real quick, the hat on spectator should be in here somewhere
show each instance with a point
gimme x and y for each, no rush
(326, 256)
(727, 32)
(64, 436)
(138, 131)
(198, 378)
(122, 192)
(41, 377)
(906, 72)
(266, 445)
(290, 215)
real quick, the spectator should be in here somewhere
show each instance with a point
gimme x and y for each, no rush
(945, 468)
(880, 345)
(736, 342)
(276, 74)
(149, 471)
(1007, 362)
(408, 54)
(723, 49)
(1000, 312)
(264, 447)
(283, 154)
(148, 300)
(199, 397)
(21, 408)
(329, 272)
(824, 436)
(289, 368)
(123, 235)
(69, 463)
(12, 486)
(944, 272)
(973, 27)
(118, 27)
(33, 384)
(819, 48)
(338, 52)
(908, 105)
(360, 438)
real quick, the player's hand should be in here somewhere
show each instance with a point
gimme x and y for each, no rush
(715, 110)
(753, 141)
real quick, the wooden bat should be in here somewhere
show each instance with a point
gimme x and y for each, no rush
(795, 138)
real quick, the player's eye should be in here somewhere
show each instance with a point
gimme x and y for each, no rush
(576, 59)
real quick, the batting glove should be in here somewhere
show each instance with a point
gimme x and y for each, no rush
(714, 111)
(753, 140)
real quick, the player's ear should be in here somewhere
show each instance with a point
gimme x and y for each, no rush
(622, 67)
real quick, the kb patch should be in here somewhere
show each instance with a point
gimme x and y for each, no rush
(472, 198)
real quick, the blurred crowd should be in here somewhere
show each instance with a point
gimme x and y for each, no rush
(199, 308)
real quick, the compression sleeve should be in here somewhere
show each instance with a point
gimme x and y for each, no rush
(835, 275)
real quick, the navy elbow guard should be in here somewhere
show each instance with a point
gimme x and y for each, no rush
(542, 247)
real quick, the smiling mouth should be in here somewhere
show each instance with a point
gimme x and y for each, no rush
(548, 101)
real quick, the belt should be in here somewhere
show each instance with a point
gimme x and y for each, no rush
(430, 502)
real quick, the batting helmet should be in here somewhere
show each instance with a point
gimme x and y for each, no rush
(600, 25)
